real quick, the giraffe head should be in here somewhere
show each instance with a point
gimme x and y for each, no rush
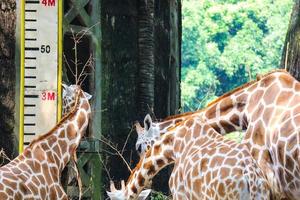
(69, 96)
(147, 135)
(115, 194)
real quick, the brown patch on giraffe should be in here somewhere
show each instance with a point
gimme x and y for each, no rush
(188, 123)
(216, 161)
(234, 119)
(39, 154)
(41, 178)
(224, 150)
(156, 149)
(46, 173)
(295, 100)
(258, 134)
(258, 111)
(197, 186)
(296, 110)
(177, 146)
(62, 134)
(204, 164)
(181, 132)
(226, 126)
(3, 195)
(252, 87)
(151, 170)
(271, 93)
(168, 140)
(188, 136)
(254, 99)
(52, 193)
(216, 127)
(224, 172)
(141, 180)
(267, 81)
(281, 152)
(81, 119)
(221, 189)
(226, 106)
(52, 140)
(291, 142)
(255, 153)
(211, 112)
(71, 131)
(55, 172)
(289, 163)
(63, 145)
(160, 163)
(283, 98)
(287, 128)
(196, 131)
(241, 98)
(268, 111)
(168, 155)
(286, 81)
(230, 161)
(163, 125)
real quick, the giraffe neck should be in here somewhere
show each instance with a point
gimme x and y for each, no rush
(171, 147)
(59, 145)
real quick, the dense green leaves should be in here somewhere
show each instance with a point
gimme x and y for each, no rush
(226, 43)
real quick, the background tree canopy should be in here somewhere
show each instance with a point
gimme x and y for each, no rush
(225, 43)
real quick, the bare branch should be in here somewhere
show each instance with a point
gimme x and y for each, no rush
(108, 143)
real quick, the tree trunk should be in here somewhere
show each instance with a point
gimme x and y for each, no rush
(291, 52)
(146, 56)
(7, 71)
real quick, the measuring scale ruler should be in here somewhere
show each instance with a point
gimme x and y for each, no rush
(41, 68)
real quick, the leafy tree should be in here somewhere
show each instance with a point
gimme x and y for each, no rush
(227, 42)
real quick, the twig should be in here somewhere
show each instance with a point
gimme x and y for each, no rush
(123, 149)
(286, 55)
(116, 150)
(105, 168)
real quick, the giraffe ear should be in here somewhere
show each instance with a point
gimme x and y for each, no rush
(87, 95)
(144, 194)
(64, 86)
(147, 122)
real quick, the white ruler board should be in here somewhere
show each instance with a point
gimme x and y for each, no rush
(40, 69)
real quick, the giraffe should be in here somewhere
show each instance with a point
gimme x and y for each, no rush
(35, 174)
(268, 110)
(207, 166)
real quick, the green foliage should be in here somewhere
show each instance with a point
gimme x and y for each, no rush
(158, 196)
(227, 42)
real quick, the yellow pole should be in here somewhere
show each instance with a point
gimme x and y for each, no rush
(22, 43)
(60, 59)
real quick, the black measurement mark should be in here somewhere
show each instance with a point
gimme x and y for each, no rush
(30, 20)
(30, 58)
(29, 124)
(30, 86)
(29, 115)
(30, 39)
(31, 96)
(29, 134)
(26, 143)
(30, 67)
(29, 105)
(32, 49)
(33, 2)
(29, 10)
(30, 29)
(30, 77)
